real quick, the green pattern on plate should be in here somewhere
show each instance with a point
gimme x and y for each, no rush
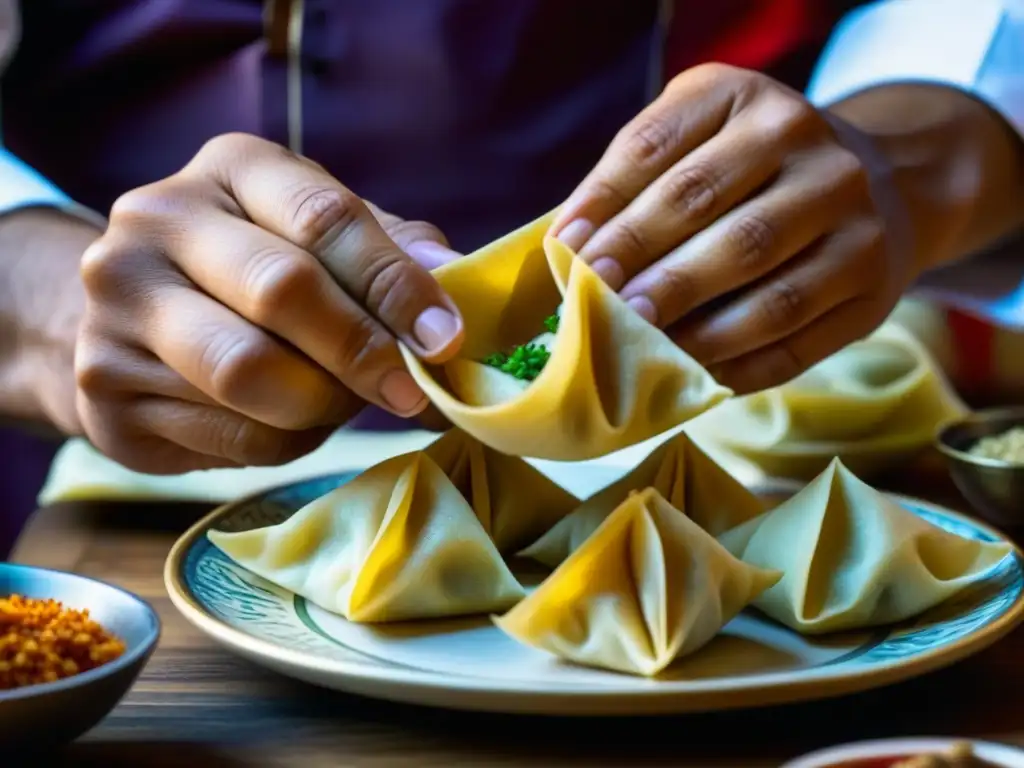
(247, 602)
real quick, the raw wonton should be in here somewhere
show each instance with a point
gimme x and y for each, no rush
(513, 501)
(682, 473)
(613, 380)
(872, 404)
(398, 542)
(853, 558)
(647, 588)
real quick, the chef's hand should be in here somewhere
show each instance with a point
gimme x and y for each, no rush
(758, 231)
(241, 309)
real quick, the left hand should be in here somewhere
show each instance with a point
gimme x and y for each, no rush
(761, 233)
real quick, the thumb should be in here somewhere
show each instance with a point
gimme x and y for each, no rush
(424, 242)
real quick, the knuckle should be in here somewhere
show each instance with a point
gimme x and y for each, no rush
(606, 189)
(96, 372)
(164, 207)
(754, 240)
(229, 145)
(394, 284)
(647, 142)
(847, 165)
(849, 172)
(238, 439)
(708, 73)
(784, 305)
(783, 119)
(796, 115)
(135, 202)
(105, 267)
(631, 238)
(678, 286)
(274, 281)
(234, 362)
(359, 342)
(693, 191)
(319, 214)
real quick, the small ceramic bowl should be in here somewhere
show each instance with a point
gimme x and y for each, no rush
(871, 753)
(52, 714)
(995, 488)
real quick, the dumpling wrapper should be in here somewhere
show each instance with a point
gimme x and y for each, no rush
(689, 479)
(613, 379)
(853, 558)
(875, 403)
(399, 542)
(514, 502)
(647, 588)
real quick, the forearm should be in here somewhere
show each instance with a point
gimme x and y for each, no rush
(956, 164)
(41, 302)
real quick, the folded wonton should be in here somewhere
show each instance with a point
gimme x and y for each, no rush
(647, 588)
(398, 542)
(612, 380)
(513, 501)
(872, 404)
(682, 473)
(853, 558)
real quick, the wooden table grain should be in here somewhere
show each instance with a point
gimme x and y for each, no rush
(197, 704)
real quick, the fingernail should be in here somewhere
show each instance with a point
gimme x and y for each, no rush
(608, 269)
(576, 233)
(645, 308)
(435, 329)
(401, 393)
(429, 254)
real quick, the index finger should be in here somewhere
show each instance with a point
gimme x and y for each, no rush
(300, 202)
(689, 112)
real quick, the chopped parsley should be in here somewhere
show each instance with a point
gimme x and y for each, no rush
(526, 361)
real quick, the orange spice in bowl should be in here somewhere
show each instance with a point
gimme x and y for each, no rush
(41, 641)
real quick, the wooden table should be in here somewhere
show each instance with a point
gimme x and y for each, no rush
(197, 704)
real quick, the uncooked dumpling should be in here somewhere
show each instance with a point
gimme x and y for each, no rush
(647, 588)
(514, 502)
(398, 542)
(682, 473)
(873, 404)
(612, 380)
(853, 558)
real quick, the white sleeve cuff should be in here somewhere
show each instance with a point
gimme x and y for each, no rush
(974, 45)
(23, 187)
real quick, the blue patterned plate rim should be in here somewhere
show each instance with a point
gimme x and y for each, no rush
(886, 657)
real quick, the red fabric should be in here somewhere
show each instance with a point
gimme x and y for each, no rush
(753, 34)
(974, 347)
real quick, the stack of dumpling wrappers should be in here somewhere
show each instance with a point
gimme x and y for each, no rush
(651, 568)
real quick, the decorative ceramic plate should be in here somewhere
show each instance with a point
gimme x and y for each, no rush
(470, 664)
(867, 752)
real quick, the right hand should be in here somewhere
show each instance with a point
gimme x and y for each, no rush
(243, 308)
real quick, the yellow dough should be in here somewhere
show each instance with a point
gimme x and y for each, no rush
(398, 542)
(647, 588)
(853, 558)
(613, 380)
(682, 473)
(514, 502)
(873, 404)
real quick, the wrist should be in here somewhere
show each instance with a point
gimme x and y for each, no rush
(953, 164)
(41, 305)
